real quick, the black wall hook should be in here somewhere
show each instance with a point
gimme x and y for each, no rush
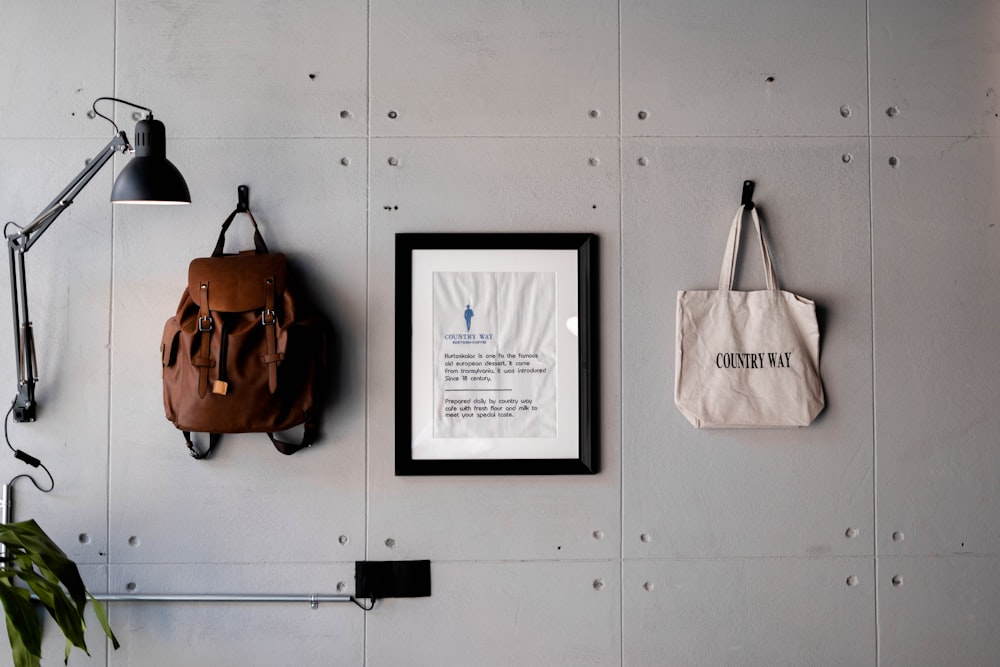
(747, 202)
(243, 198)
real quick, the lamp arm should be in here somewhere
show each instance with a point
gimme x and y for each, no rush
(30, 233)
(18, 243)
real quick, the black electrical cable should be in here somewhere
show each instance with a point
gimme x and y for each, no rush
(115, 99)
(357, 602)
(26, 458)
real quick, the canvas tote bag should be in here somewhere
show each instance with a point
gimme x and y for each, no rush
(747, 359)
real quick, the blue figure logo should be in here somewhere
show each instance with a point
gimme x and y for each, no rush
(468, 317)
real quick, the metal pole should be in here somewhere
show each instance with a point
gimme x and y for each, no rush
(6, 505)
(313, 600)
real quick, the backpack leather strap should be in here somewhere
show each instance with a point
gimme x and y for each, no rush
(204, 359)
(269, 320)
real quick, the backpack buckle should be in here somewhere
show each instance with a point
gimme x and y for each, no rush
(268, 317)
(205, 323)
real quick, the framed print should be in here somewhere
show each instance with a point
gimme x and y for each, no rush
(495, 354)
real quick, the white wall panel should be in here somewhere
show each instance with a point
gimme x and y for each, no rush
(937, 274)
(509, 185)
(248, 503)
(178, 634)
(938, 611)
(734, 68)
(68, 275)
(246, 69)
(711, 493)
(494, 68)
(500, 614)
(934, 69)
(58, 57)
(688, 547)
(766, 612)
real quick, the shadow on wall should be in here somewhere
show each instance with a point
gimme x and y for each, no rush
(334, 381)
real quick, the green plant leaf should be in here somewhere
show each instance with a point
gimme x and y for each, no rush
(52, 563)
(24, 630)
(70, 622)
(55, 581)
(59, 606)
(43, 589)
(102, 618)
(20, 654)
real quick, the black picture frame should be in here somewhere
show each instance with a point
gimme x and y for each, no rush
(419, 256)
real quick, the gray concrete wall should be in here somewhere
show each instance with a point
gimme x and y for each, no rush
(871, 130)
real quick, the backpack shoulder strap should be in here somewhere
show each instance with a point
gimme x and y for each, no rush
(287, 448)
(213, 440)
(308, 438)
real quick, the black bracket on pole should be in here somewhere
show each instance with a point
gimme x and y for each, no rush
(747, 201)
(392, 579)
(243, 198)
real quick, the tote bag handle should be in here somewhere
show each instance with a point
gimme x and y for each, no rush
(733, 251)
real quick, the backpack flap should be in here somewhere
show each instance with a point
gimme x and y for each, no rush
(235, 282)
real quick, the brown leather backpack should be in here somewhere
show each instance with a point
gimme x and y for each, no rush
(246, 352)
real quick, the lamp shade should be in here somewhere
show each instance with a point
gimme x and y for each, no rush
(150, 178)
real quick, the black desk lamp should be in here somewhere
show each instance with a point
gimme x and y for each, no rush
(149, 178)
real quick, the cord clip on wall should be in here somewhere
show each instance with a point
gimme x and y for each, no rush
(747, 201)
